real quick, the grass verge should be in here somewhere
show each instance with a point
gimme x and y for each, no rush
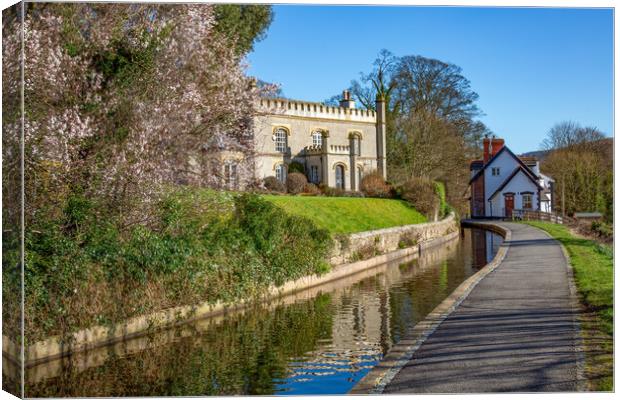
(593, 268)
(342, 215)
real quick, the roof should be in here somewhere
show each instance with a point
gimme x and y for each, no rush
(529, 160)
(588, 215)
(514, 173)
(476, 164)
(521, 163)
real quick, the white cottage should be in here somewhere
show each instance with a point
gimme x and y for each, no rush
(503, 182)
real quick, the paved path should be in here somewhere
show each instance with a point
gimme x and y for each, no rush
(514, 332)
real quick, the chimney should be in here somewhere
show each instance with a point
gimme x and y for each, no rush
(486, 147)
(491, 146)
(346, 101)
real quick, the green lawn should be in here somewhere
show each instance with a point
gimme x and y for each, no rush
(349, 214)
(593, 269)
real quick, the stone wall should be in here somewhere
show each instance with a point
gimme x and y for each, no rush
(363, 245)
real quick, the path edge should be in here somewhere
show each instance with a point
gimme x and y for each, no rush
(384, 372)
(582, 381)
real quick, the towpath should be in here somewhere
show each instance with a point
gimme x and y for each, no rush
(516, 330)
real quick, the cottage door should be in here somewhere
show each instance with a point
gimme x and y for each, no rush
(509, 204)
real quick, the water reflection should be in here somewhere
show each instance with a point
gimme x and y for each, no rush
(318, 341)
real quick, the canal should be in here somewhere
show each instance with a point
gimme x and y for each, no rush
(319, 341)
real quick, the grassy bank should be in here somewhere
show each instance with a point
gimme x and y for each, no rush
(347, 214)
(84, 270)
(593, 269)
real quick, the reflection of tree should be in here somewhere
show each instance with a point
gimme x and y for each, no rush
(245, 355)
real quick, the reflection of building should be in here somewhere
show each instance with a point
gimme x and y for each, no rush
(335, 146)
(484, 246)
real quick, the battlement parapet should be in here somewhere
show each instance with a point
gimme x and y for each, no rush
(287, 107)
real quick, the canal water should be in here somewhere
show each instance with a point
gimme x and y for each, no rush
(319, 341)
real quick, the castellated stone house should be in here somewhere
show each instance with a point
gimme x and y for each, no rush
(336, 145)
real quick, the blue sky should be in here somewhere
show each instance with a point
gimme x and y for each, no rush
(532, 67)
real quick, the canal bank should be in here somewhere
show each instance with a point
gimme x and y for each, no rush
(316, 341)
(511, 327)
(387, 245)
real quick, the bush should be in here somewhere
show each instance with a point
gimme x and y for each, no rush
(336, 192)
(272, 183)
(603, 230)
(373, 185)
(201, 246)
(296, 167)
(312, 189)
(421, 194)
(296, 182)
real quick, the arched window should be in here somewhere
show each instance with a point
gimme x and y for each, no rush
(317, 138)
(355, 143)
(340, 176)
(281, 172)
(280, 137)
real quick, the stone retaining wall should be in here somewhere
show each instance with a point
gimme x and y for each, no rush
(388, 246)
(363, 245)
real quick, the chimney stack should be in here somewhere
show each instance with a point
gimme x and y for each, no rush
(491, 146)
(346, 101)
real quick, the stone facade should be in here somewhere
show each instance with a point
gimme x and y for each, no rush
(336, 146)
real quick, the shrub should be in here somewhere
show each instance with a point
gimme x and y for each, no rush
(272, 183)
(373, 185)
(296, 167)
(296, 182)
(421, 194)
(312, 189)
(603, 230)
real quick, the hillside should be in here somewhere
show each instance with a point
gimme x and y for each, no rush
(349, 215)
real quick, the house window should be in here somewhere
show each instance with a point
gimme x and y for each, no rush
(280, 137)
(281, 172)
(527, 201)
(495, 171)
(314, 174)
(231, 178)
(317, 138)
(339, 176)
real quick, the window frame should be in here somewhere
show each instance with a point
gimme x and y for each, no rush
(530, 200)
(317, 138)
(280, 138)
(314, 174)
(282, 171)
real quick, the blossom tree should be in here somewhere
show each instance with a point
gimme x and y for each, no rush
(120, 98)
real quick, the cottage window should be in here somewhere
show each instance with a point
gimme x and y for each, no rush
(495, 171)
(231, 178)
(281, 172)
(317, 138)
(314, 174)
(527, 201)
(280, 137)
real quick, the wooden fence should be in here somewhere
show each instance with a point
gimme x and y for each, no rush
(529, 215)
